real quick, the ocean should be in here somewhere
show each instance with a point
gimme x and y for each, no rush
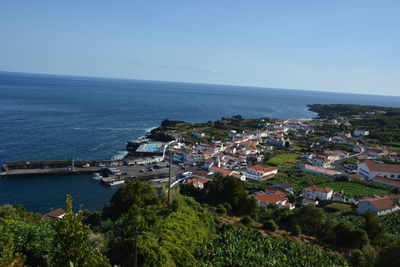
(57, 117)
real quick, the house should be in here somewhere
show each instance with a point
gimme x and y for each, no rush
(264, 199)
(320, 161)
(197, 182)
(197, 134)
(258, 172)
(54, 214)
(274, 190)
(226, 172)
(308, 201)
(285, 187)
(314, 192)
(386, 181)
(377, 205)
(370, 169)
(325, 139)
(339, 196)
(377, 152)
(360, 133)
(358, 149)
(320, 171)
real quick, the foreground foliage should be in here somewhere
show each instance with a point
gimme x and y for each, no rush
(237, 247)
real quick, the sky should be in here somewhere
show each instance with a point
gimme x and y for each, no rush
(325, 45)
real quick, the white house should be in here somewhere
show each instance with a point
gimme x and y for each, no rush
(258, 172)
(318, 170)
(359, 133)
(197, 134)
(320, 162)
(369, 169)
(386, 181)
(320, 193)
(309, 201)
(264, 199)
(378, 205)
(358, 149)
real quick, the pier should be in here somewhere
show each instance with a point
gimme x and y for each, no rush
(55, 167)
(111, 170)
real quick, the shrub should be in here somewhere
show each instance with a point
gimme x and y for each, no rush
(246, 220)
(270, 225)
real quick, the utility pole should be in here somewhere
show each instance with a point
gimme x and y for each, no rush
(169, 178)
(136, 232)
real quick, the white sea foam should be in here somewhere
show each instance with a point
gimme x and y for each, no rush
(97, 147)
(97, 176)
(119, 155)
(148, 130)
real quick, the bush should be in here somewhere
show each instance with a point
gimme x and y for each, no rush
(296, 230)
(221, 210)
(270, 225)
(246, 220)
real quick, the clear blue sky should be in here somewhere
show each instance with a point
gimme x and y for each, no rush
(327, 45)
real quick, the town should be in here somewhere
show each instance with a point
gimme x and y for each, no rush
(344, 166)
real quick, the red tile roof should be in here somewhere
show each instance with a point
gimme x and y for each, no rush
(309, 200)
(269, 198)
(382, 167)
(386, 180)
(54, 214)
(318, 189)
(383, 203)
(259, 168)
(321, 170)
(224, 172)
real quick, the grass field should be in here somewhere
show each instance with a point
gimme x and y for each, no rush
(298, 180)
(354, 189)
(284, 160)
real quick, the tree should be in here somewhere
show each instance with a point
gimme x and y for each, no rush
(348, 237)
(296, 230)
(221, 210)
(389, 256)
(270, 225)
(374, 230)
(73, 242)
(310, 218)
(246, 220)
(134, 195)
(230, 190)
(10, 258)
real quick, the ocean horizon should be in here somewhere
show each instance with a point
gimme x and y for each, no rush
(47, 117)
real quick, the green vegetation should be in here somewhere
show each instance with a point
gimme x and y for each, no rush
(382, 122)
(298, 179)
(38, 242)
(284, 160)
(391, 222)
(355, 189)
(237, 247)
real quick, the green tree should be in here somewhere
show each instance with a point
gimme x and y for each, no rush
(270, 225)
(133, 196)
(230, 190)
(8, 256)
(73, 242)
(246, 220)
(374, 230)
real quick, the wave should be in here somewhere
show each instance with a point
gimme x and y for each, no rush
(145, 129)
(97, 176)
(97, 147)
(119, 155)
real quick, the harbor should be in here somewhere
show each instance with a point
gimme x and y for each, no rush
(146, 160)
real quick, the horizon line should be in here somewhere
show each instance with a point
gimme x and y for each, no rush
(201, 83)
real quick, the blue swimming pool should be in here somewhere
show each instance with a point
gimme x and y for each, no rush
(153, 147)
